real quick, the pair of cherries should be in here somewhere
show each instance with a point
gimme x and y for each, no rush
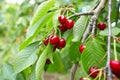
(65, 23)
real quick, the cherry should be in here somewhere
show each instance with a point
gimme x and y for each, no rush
(93, 71)
(81, 78)
(48, 61)
(62, 27)
(69, 24)
(115, 67)
(62, 43)
(102, 26)
(62, 19)
(81, 48)
(54, 39)
(45, 41)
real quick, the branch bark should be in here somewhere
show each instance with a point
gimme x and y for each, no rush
(109, 75)
(73, 70)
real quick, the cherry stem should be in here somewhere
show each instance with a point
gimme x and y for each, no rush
(115, 53)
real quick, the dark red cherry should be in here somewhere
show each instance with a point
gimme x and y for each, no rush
(62, 19)
(54, 39)
(62, 43)
(81, 48)
(69, 24)
(93, 71)
(62, 27)
(102, 26)
(45, 41)
(115, 67)
(48, 61)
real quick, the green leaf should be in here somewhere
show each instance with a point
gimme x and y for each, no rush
(74, 53)
(79, 28)
(7, 72)
(115, 31)
(41, 62)
(26, 57)
(32, 75)
(93, 55)
(35, 29)
(42, 10)
(58, 62)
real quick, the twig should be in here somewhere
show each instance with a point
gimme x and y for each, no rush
(71, 11)
(109, 75)
(73, 70)
(79, 14)
(94, 27)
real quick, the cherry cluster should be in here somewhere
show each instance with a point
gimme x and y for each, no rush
(65, 23)
(55, 41)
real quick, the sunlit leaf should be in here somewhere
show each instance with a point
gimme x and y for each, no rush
(42, 10)
(26, 57)
(79, 28)
(34, 30)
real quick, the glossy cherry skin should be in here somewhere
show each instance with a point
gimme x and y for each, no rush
(62, 43)
(45, 41)
(81, 48)
(115, 67)
(81, 78)
(62, 19)
(54, 39)
(69, 24)
(93, 71)
(48, 61)
(62, 27)
(102, 26)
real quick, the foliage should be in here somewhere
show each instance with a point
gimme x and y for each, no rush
(23, 27)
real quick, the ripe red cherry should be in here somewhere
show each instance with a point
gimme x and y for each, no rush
(81, 48)
(102, 26)
(54, 39)
(45, 41)
(115, 67)
(62, 27)
(62, 43)
(69, 24)
(48, 61)
(62, 19)
(93, 71)
(81, 78)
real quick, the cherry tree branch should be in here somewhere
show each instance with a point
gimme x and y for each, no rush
(92, 23)
(96, 11)
(109, 75)
(73, 70)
